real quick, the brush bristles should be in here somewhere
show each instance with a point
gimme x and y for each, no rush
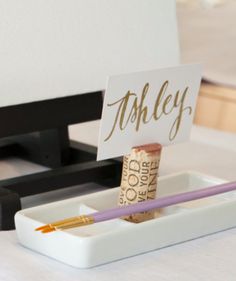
(66, 224)
(42, 227)
(47, 230)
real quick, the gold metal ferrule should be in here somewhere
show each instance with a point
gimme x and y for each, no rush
(66, 223)
(78, 221)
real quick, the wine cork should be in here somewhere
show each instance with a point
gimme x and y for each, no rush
(139, 178)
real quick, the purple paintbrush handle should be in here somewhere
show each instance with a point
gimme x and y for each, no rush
(162, 202)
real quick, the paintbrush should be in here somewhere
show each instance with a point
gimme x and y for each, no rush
(144, 206)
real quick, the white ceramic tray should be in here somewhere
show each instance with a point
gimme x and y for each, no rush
(112, 240)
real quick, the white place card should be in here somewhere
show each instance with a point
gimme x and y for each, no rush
(146, 107)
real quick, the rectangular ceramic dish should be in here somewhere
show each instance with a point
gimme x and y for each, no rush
(104, 242)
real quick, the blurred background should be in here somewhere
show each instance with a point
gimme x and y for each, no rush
(208, 35)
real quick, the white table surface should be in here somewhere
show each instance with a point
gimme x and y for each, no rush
(208, 258)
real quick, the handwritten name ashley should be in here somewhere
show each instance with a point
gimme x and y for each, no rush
(132, 109)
